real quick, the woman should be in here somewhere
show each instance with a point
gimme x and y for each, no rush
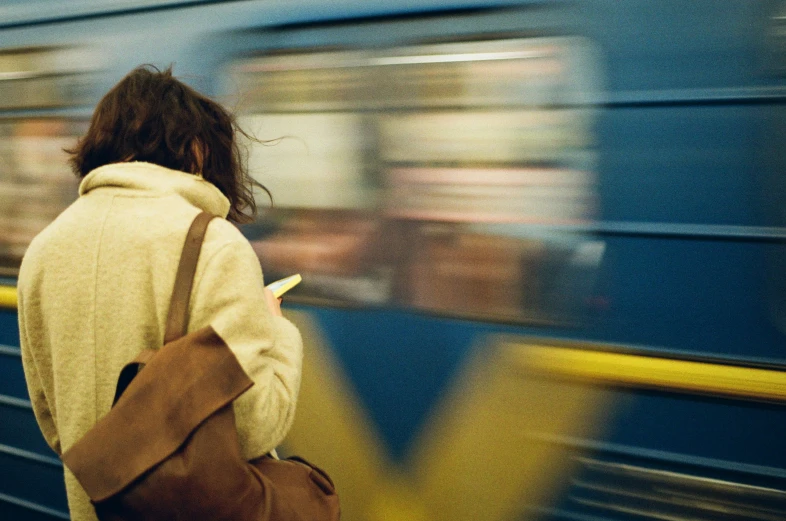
(94, 286)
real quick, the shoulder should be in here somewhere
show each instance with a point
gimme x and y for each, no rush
(221, 234)
(39, 251)
(224, 240)
(30, 268)
(227, 264)
(73, 226)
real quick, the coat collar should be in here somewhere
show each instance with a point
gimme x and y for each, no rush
(151, 179)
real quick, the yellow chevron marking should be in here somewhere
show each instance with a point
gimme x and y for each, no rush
(481, 455)
(475, 459)
(332, 429)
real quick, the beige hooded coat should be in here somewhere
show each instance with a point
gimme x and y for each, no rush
(94, 290)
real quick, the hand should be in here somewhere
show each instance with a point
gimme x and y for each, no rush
(273, 303)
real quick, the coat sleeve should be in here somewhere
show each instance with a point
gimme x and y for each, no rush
(35, 387)
(228, 295)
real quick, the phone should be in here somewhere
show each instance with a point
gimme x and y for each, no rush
(281, 286)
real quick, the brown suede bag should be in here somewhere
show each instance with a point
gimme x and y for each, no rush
(168, 449)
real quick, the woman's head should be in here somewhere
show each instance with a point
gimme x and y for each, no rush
(151, 116)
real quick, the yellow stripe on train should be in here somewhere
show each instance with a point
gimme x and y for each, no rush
(613, 368)
(8, 297)
(621, 368)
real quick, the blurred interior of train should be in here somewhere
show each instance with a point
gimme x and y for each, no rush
(433, 176)
(452, 177)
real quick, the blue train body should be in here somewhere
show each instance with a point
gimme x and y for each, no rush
(687, 121)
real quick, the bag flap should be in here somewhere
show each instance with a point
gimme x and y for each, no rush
(185, 383)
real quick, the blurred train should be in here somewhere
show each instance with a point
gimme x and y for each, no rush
(543, 242)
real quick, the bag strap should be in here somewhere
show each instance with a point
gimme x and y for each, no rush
(177, 318)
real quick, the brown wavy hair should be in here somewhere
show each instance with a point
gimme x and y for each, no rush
(152, 116)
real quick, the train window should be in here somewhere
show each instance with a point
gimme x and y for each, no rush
(38, 88)
(35, 182)
(44, 77)
(439, 176)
